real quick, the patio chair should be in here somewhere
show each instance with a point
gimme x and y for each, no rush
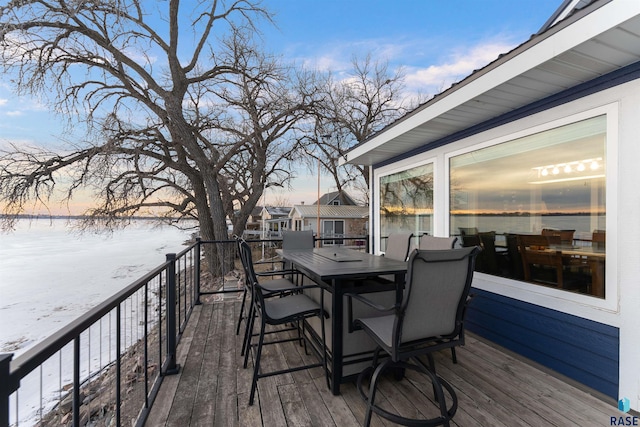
(398, 246)
(292, 240)
(290, 308)
(272, 287)
(435, 243)
(429, 318)
(296, 240)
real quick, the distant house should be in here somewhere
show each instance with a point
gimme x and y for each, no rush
(254, 221)
(274, 220)
(542, 140)
(336, 198)
(337, 216)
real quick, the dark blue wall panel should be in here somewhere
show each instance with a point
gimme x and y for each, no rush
(581, 349)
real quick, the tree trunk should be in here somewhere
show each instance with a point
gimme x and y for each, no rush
(221, 253)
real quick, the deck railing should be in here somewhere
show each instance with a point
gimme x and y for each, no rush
(106, 367)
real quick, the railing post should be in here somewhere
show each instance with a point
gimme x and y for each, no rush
(197, 267)
(171, 365)
(5, 388)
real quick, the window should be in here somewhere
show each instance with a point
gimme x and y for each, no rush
(406, 202)
(537, 206)
(332, 228)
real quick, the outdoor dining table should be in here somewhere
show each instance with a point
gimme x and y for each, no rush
(340, 271)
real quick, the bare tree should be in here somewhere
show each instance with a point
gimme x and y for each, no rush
(354, 109)
(173, 99)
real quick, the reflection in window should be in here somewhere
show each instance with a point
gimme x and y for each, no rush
(406, 202)
(537, 206)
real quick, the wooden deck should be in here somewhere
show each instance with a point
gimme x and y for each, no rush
(493, 387)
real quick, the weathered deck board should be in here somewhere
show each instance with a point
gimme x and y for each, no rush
(493, 387)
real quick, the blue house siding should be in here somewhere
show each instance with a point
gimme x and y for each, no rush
(581, 349)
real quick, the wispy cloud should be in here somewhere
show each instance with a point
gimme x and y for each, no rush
(430, 66)
(456, 66)
(14, 113)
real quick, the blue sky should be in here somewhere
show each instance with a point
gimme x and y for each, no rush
(437, 42)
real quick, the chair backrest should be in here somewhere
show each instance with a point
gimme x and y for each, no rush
(534, 250)
(398, 246)
(566, 236)
(599, 239)
(428, 242)
(437, 288)
(292, 240)
(466, 231)
(244, 252)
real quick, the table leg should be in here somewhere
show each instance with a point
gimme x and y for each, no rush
(336, 338)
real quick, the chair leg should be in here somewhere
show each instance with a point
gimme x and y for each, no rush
(445, 414)
(372, 391)
(256, 364)
(246, 346)
(453, 355)
(324, 340)
(241, 316)
(248, 330)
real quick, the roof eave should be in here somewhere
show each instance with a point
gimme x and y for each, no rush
(560, 38)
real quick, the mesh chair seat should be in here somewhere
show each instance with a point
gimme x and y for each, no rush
(380, 328)
(282, 310)
(276, 285)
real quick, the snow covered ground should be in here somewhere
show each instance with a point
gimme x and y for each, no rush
(50, 275)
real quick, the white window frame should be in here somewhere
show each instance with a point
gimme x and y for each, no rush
(337, 237)
(579, 304)
(401, 166)
(541, 295)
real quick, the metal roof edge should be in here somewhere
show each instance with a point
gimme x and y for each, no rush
(379, 138)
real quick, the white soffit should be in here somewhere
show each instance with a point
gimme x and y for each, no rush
(594, 41)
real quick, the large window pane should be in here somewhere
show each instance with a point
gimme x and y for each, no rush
(550, 185)
(406, 202)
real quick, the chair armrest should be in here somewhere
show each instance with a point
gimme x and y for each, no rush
(277, 273)
(369, 303)
(350, 297)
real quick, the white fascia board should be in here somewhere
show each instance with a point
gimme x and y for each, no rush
(586, 28)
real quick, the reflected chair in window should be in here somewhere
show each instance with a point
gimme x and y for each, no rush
(540, 262)
(290, 308)
(487, 261)
(428, 242)
(566, 236)
(514, 264)
(488, 257)
(429, 318)
(398, 246)
(468, 231)
(599, 240)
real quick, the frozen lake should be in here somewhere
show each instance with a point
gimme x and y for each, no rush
(50, 274)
